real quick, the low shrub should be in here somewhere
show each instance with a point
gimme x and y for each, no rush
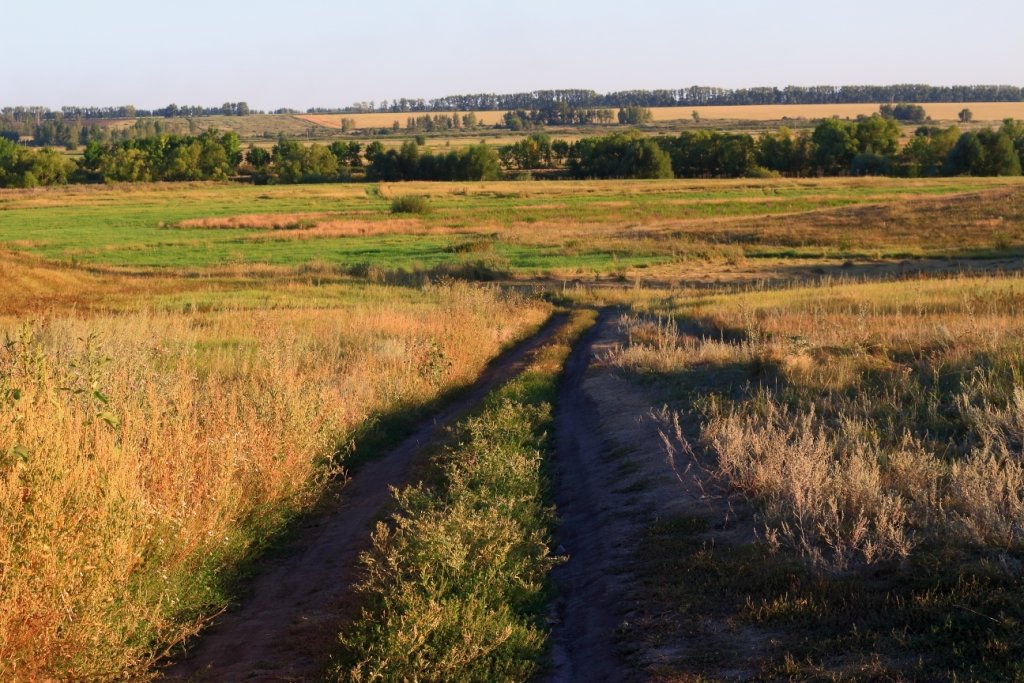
(410, 204)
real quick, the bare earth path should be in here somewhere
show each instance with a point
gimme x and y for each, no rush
(588, 610)
(615, 481)
(298, 604)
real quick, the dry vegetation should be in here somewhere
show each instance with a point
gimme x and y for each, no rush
(161, 421)
(878, 428)
(889, 414)
(939, 111)
(144, 454)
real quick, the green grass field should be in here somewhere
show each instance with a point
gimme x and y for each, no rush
(522, 228)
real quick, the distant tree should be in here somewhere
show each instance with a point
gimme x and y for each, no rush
(983, 153)
(182, 162)
(560, 150)
(22, 167)
(877, 135)
(517, 120)
(287, 157)
(374, 149)
(926, 152)
(965, 115)
(696, 116)
(635, 116)
(347, 153)
(711, 154)
(621, 155)
(645, 159)
(1015, 131)
(319, 165)
(835, 145)
(777, 151)
(532, 152)
(258, 157)
(479, 162)
(910, 113)
(869, 163)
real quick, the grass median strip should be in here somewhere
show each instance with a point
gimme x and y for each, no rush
(455, 583)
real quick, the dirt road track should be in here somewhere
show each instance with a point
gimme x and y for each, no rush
(587, 612)
(298, 604)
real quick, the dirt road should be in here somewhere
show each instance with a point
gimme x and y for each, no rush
(287, 627)
(588, 610)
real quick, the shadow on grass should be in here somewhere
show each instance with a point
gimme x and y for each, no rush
(947, 613)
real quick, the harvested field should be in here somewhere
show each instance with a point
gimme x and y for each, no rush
(938, 111)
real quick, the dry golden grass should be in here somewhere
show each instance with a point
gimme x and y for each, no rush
(34, 288)
(357, 228)
(940, 111)
(144, 454)
(253, 221)
(883, 415)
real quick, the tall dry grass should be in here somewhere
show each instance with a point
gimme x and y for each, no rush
(865, 419)
(143, 456)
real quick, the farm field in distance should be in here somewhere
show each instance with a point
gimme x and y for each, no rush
(786, 442)
(263, 129)
(938, 111)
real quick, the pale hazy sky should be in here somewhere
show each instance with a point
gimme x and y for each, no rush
(303, 53)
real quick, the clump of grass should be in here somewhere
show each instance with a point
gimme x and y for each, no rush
(479, 246)
(410, 204)
(454, 586)
(282, 221)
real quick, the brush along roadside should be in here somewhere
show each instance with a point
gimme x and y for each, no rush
(454, 585)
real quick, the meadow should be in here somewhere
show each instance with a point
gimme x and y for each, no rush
(555, 229)
(187, 369)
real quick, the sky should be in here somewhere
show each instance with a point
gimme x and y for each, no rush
(332, 53)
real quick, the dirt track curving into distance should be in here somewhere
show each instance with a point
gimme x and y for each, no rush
(286, 629)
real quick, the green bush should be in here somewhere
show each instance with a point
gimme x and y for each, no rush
(410, 204)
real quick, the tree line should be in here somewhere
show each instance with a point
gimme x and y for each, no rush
(835, 147)
(35, 115)
(694, 96)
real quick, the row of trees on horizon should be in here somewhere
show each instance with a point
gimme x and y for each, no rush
(693, 96)
(835, 147)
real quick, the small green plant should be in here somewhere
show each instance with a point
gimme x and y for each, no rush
(410, 204)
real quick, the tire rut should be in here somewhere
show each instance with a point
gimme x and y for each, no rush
(587, 611)
(297, 605)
